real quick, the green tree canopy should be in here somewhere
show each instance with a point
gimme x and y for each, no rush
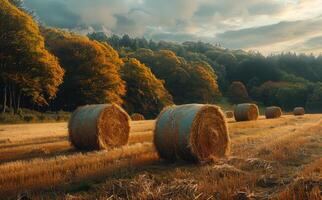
(92, 70)
(27, 68)
(145, 93)
(314, 102)
(187, 82)
(256, 66)
(284, 94)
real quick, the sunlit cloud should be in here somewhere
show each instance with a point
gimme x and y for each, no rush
(178, 20)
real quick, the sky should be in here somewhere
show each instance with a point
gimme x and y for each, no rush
(268, 26)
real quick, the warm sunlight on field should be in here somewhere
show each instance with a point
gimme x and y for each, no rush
(153, 100)
(269, 158)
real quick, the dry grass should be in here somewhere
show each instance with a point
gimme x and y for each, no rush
(314, 169)
(20, 145)
(307, 185)
(271, 159)
(35, 150)
(286, 149)
(47, 173)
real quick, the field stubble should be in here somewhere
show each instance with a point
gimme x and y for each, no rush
(270, 159)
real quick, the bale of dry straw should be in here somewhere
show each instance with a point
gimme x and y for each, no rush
(246, 112)
(299, 111)
(137, 117)
(96, 127)
(192, 132)
(229, 114)
(273, 112)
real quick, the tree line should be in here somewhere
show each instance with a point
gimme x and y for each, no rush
(49, 69)
(285, 79)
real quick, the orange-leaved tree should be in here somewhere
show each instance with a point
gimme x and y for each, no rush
(27, 68)
(237, 92)
(187, 82)
(145, 93)
(92, 70)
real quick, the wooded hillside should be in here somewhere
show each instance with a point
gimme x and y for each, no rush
(48, 69)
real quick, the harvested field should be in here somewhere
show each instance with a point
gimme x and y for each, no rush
(270, 159)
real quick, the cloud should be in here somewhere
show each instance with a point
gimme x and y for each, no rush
(286, 31)
(55, 13)
(168, 14)
(311, 45)
(237, 24)
(315, 42)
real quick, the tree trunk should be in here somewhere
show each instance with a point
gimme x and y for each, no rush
(4, 98)
(14, 99)
(10, 97)
(18, 101)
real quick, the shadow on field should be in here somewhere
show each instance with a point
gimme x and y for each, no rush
(158, 167)
(43, 140)
(37, 153)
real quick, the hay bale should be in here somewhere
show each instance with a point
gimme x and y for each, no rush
(246, 112)
(192, 132)
(299, 111)
(137, 117)
(229, 114)
(273, 112)
(96, 127)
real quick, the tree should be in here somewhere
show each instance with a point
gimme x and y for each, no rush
(92, 70)
(203, 83)
(291, 97)
(126, 41)
(253, 82)
(187, 82)
(284, 94)
(99, 36)
(266, 93)
(20, 5)
(238, 93)
(27, 68)
(145, 93)
(314, 102)
(257, 66)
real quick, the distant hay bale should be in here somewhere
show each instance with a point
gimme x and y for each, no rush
(246, 112)
(192, 132)
(137, 117)
(273, 112)
(229, 114)
(299, 111)
(96, 127)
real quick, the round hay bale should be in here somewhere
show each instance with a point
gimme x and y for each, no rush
(229, 114)
(246, 112)
(273, 112)
(137, 117)
(96, 127)
(192, 132)
(299, 111)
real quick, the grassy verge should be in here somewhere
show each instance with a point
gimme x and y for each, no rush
(31, 116)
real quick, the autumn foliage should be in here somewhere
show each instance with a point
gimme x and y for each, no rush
(28, 71)
(92, 70)
(186, 81)
(50, 69)
(145, 93)
(238, 93)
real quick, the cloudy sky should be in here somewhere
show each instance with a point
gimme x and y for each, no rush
(268, 26)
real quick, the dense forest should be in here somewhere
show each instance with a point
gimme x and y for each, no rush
(49, 69)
